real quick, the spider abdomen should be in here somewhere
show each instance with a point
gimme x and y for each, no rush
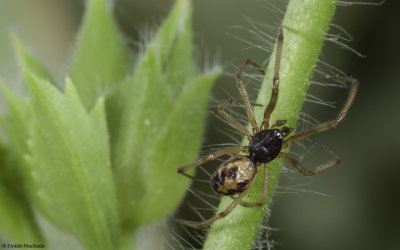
(265, 145)
(234, 175)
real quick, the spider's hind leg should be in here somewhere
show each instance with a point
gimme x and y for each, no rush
(220, 215)
(264, 192)
(212, 156)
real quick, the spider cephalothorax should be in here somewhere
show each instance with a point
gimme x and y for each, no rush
(236, 175)
(265, 145)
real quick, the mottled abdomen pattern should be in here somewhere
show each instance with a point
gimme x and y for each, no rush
(234, 175)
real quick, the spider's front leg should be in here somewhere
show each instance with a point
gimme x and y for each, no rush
(330, 124)
(230, 119)
(275, 84)
(244, 94)
(320, 128)
(316, 170)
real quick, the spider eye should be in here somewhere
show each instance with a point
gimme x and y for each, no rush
(234, 175)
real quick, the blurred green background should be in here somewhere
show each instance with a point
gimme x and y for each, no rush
(359, 208)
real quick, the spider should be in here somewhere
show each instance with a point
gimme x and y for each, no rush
(236, 175)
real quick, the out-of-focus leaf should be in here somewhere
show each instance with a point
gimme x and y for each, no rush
(14, 200)
(28, 62)
(175, 144)
(147, 103)
(142, 114)
(174, 44)
(16, 122)
(17, 221)
(70, 174)
(101, 58)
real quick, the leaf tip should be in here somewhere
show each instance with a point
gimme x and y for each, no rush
(15, 40)
(68, 81)
(29, 75)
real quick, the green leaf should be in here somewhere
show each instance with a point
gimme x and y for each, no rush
(101, 58)
(145, 106)
(176, 143)
(304, 28)
(174, 44)
(70, 174)
(17, 221)
(16, 122)
(140, 115)
(28, 62)
(16, 215)
(16, 205)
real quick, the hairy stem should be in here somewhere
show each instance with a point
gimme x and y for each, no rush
(304, 28)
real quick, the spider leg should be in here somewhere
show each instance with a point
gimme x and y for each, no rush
(230, 119)
(244, 94)
(220, 215)
(286, 131)
(330, 124)
(212, 156)
(263, 196)
(316, 170)
(278, 123)
(275, 85)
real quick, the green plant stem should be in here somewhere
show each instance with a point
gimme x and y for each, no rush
(304, 28)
